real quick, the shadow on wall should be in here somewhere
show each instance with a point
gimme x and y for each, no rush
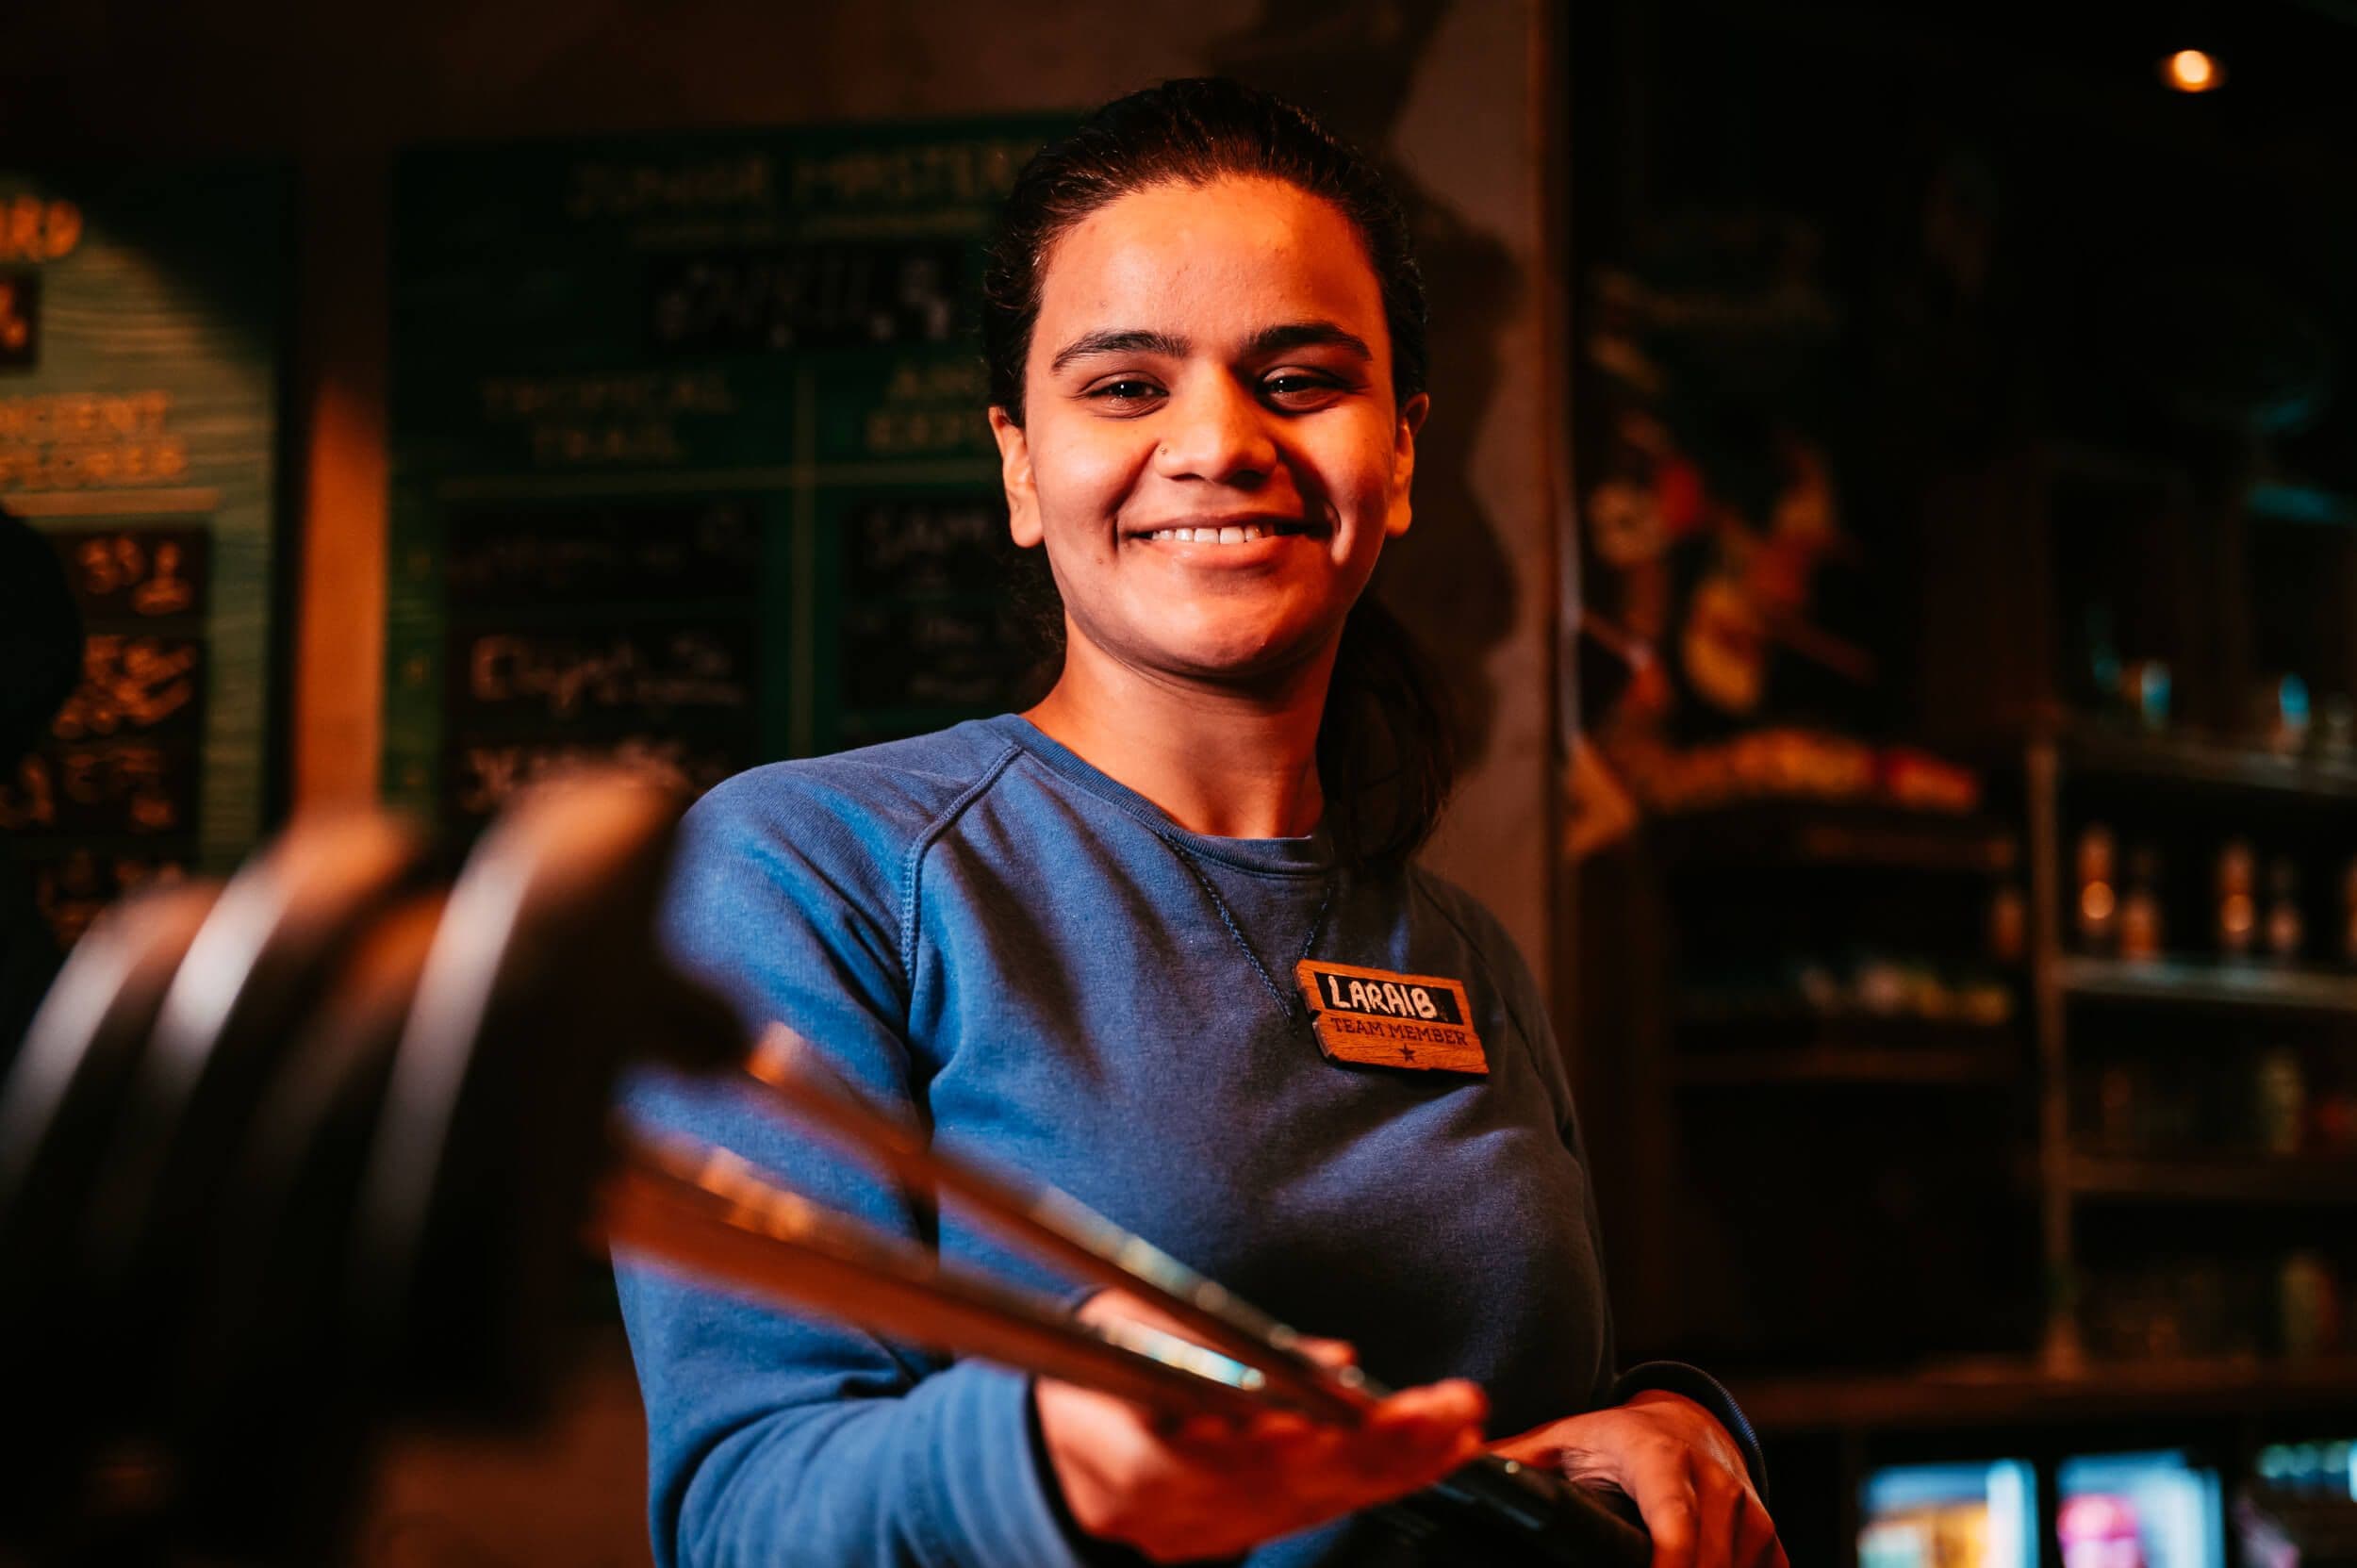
(1353, 66)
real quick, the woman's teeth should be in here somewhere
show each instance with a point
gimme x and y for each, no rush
(1244, 535)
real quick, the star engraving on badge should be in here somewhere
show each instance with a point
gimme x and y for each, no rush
(1405, 1054)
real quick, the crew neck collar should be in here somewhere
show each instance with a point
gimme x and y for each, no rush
(1312, 855)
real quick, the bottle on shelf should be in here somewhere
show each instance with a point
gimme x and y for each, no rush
(2284, 714)
(2140, 934)
(2308, 1299)
(2281, 1103)
(2336, 727)
(2097, 905)
(2286, 931)
(2146, 685)
(2333, 1115)
(2237, 901)
(2349, 913)
(2010, 922)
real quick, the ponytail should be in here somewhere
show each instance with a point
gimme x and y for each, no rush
(1387, 751)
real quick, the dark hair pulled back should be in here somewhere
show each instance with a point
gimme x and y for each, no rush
(1386, 757)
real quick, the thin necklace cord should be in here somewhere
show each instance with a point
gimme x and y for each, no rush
(1287, 1003)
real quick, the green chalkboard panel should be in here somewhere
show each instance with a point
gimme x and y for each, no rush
(689, 457)
(139, 319)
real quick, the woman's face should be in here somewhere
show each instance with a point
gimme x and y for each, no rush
(1210, 361)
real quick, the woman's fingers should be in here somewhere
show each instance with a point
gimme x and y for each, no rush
(1677, 1464)
(1432, 1429)
(1702, 1522)
(1409, 1440)
(1332, 1354)
(1674, 1523)
(1451, 1404)
(1698, 1520)
(1202, 1486)
(1720, 1507)
(1658, 1476)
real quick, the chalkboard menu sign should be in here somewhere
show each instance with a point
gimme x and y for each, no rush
(138, 390)
(922, 618)
(690, 463)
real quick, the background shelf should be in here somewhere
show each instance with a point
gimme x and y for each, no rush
(2190, 760)
(2019, 1393)
(2283, 987)
(1929, 1066)
(2254, 1178)
(1856, 836)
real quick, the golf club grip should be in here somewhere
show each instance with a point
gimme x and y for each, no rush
(1526, 1516)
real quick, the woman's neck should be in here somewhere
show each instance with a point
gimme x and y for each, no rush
(1232, 762)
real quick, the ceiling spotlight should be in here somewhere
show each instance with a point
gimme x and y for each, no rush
(2192, 71)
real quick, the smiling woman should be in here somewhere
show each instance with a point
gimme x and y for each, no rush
(1212, 449)
(1160, 943)
(1293, 245)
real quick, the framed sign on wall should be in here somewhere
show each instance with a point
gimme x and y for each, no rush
(139, 343)
(689, 459)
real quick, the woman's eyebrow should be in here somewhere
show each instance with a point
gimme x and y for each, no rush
(1129, 341)
(1169, 345)
(1305, 334)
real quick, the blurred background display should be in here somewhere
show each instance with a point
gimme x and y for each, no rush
(1960, 1515)
(2140, 1511)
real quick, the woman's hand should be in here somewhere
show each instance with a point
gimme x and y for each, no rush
(1209, 1486)
(1680, 1468)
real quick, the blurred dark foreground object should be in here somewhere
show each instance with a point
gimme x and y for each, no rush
(41, 662)
(284, 1157)
(288, 1159)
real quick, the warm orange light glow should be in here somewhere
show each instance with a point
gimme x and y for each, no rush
(2096, 902)
(2191, 71)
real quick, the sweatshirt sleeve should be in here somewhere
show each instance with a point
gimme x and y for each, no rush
(774, 1438)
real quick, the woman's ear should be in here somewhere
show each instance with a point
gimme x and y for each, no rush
(1411, 415)
(1014, 472)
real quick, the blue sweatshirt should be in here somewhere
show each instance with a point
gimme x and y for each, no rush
(980, 928)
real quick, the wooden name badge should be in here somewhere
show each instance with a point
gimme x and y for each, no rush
(1380, 1019)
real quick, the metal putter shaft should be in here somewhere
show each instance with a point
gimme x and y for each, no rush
(706, 1213)
(1059, 1229)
